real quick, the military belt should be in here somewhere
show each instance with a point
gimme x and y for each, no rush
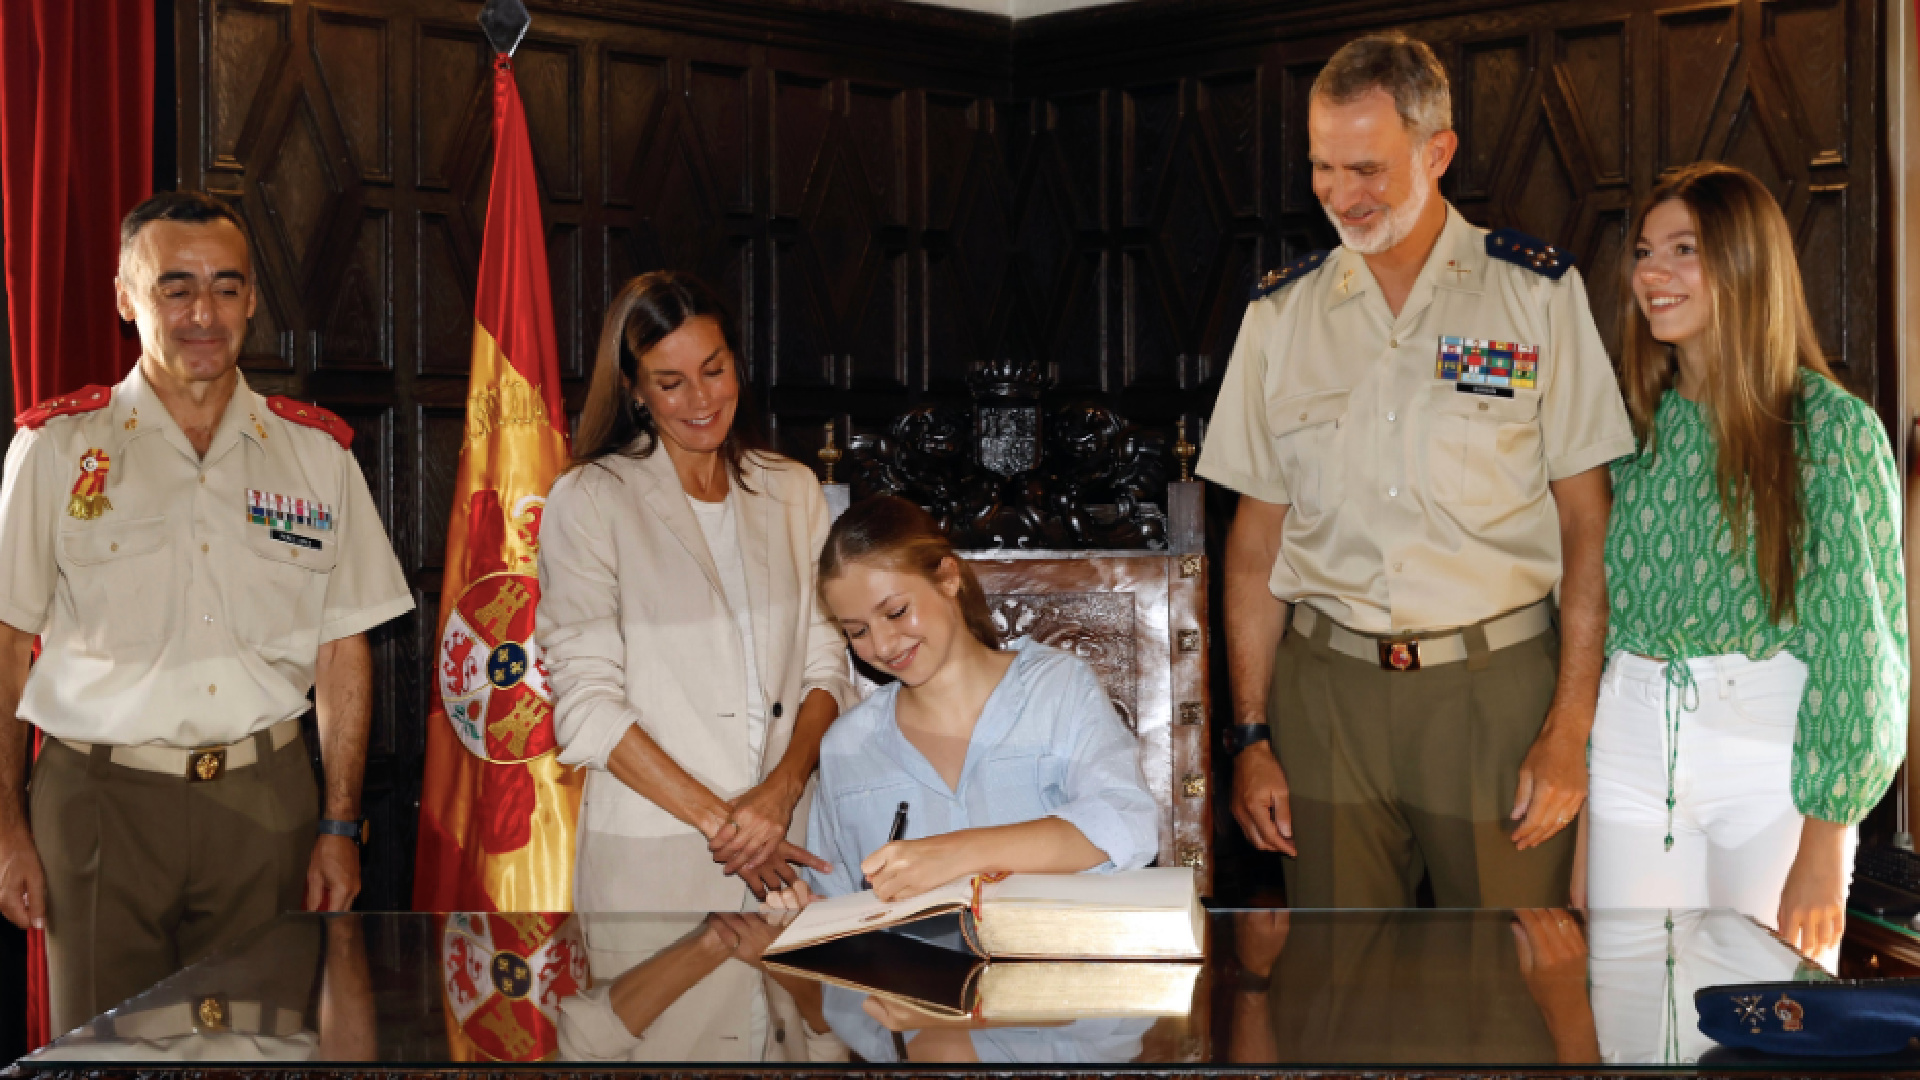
(1411, 652)
(199, 764)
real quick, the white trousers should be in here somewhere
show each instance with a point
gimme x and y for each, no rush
(1735, 828)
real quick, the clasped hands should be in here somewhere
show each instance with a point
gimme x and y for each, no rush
(751, 843)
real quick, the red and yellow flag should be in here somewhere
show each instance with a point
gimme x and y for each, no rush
(497, 809)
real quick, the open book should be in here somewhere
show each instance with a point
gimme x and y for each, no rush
(1152, 914)
(945, 984)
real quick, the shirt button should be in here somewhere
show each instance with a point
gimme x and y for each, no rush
(1393, 343)
(1397, 567)
(1303, 416)
(203, 478)
(209, 618)
(1483, 406)
(1389, 418)
(212, 689)
(113, 547)
(203, 549)
(1393, 492)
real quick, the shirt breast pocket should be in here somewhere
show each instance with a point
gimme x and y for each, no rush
(1309, 432)
(1484, 450)
(282, 588)
(121, 582)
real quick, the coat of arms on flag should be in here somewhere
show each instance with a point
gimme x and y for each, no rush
(492, 681)
(504, 977)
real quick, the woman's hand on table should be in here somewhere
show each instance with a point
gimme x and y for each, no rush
(744, 935)
(787, 901)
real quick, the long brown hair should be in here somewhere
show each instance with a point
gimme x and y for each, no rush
(892, 532)
(1759, 334)
(646, 310)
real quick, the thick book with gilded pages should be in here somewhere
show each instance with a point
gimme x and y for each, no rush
(952, 985)
(1152, 914)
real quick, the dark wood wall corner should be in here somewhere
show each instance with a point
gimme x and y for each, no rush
(890, 192)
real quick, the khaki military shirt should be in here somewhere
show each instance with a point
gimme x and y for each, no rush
(1418, 502)
(191, 610)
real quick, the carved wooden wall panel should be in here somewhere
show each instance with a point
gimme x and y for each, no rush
(888, 193)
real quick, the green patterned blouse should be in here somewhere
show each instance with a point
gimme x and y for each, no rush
(1679, 590)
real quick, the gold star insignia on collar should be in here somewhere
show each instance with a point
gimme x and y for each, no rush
(1346, 281)
(133, 420)
(261, 431)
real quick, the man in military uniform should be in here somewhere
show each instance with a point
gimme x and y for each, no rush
(194, 559)
(1417, 424)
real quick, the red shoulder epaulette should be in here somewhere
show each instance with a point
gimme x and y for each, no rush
(313, 416)
(84, 400)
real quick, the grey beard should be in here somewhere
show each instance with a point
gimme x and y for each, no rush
(1383, 237)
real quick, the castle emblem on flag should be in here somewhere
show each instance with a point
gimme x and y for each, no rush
(492, 681)
(504, 977)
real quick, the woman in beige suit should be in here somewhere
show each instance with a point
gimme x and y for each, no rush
(692, 672)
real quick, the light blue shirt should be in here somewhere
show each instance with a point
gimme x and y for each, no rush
(1048, 743)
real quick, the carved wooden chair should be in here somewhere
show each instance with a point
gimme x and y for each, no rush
(1139, 619)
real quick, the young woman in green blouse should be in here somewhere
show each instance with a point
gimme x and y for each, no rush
(1755, 702)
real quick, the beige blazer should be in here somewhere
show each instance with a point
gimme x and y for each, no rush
(635, 629)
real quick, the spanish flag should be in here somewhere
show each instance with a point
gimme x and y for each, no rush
(497, 809)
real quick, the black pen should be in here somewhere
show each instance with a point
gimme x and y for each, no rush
(893, 837)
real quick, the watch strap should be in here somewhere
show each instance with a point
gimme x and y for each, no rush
(1245, 735)
(355, 831)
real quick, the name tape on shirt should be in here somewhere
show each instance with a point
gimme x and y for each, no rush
(283, 512)
(1489, 368)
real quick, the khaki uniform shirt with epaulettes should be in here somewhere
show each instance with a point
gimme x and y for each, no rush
(1414, 506)
(185, 613)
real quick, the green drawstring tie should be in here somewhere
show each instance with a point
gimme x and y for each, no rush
(1682, 695)
(1671, 1052)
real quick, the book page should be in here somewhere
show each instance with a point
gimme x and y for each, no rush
(854, 913)
(1151, 889)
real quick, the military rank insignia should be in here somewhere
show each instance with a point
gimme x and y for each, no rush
(285, 512)
(89, 498)
(1489, 368)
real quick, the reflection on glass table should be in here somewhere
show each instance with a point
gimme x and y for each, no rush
(1475, 989)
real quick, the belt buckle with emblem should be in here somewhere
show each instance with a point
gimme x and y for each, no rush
(205, 765)
(1400, 655)
(211, 1014)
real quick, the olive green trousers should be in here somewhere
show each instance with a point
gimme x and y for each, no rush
(1399, 774)
(148, 873)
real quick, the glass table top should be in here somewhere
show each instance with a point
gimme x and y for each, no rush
(1492, 989)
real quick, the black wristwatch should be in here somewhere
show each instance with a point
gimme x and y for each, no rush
(1245, 735)
(355, 831)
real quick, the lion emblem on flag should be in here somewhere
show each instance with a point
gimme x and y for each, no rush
(492, 680)
(504, 977)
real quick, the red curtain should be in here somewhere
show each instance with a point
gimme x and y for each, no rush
(76, 153)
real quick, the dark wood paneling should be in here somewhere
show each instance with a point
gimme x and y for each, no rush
(890, 192)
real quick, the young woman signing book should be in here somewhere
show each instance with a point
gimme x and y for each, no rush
(1006, 759)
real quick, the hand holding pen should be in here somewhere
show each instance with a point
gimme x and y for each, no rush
(894, 835)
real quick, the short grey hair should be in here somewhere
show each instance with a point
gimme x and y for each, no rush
(1402, 66)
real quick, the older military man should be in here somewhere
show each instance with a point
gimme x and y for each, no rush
(1417, 425)
(194, 559)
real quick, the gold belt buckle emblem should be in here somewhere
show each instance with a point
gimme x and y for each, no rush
(206, 765)
(210, 1014)
(1400, 655)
